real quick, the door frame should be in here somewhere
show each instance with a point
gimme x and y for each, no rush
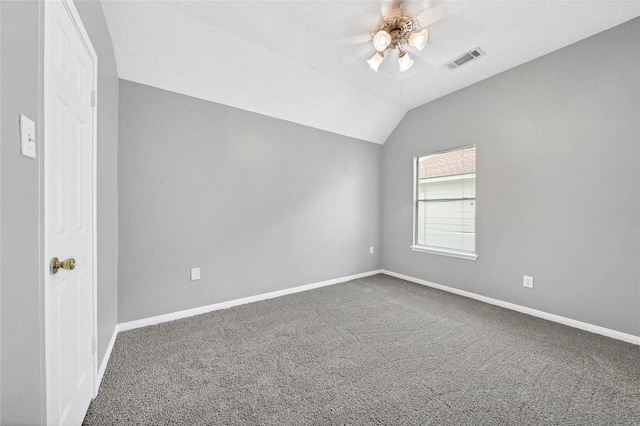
(86, 41)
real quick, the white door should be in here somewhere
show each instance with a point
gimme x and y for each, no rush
(69, 135)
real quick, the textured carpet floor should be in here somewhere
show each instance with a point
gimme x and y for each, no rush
(377, 350)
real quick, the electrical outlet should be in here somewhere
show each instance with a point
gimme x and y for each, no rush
(527, 281)
(371, 250)
(195, 274)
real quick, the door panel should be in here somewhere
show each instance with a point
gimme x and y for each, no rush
(70, 66)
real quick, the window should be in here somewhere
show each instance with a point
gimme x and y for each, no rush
(445, 203)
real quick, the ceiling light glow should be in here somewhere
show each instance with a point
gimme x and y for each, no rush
(381, 40)
(419, 40)
(405, 61)
(375, 61)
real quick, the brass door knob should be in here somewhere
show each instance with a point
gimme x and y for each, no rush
(67, 264)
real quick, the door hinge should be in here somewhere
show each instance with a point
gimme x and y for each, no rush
(94, 97)
(93, 345)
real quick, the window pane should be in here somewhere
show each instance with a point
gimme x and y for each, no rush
(447, 189)
(445, 200)
(447, 224)
(450, 163)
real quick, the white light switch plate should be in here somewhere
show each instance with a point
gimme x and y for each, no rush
(27, 137)
(527, 281)
(195, 274)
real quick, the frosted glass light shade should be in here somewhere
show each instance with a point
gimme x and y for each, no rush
(381, 40)
(419, 40)
(375, 61)
(405, 61)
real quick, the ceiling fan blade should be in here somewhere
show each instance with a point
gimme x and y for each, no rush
(388, 7)
(355, 39)
(437, 12)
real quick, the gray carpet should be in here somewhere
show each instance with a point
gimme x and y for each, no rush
(376, 350)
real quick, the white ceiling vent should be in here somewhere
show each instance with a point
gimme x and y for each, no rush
(471, 55)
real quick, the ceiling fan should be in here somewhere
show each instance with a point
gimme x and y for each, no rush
(399, 30)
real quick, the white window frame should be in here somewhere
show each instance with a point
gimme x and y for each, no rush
(460, 254)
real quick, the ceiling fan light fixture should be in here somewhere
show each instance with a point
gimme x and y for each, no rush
(419, 40)
(381, 40)
(375, 61)
(397, 30)
(405, 61)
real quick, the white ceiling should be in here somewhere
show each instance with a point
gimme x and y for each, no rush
(305, 61)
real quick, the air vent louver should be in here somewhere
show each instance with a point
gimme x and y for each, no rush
(466, 58)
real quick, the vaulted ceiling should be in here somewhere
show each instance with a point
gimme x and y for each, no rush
(305, 61)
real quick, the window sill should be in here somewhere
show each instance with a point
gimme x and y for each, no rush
(444, 252)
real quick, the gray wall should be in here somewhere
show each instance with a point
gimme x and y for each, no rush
(0, 218)
(22, 356)
(557, 182)
(259, 204)
(22, 346)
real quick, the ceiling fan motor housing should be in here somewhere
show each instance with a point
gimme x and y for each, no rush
(399, 27)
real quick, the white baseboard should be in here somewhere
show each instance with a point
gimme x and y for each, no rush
(630, 338)
(231, 303)
(105, 359)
